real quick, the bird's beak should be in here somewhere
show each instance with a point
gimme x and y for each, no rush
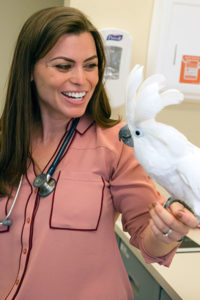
(125, 136)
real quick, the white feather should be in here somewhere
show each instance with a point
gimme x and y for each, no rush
(136, 77)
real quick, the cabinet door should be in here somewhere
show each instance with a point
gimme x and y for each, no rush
(174, 48)
(143, 284)
(118, 239)
(164, 295)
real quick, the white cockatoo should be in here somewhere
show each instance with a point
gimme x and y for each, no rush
(164, 153)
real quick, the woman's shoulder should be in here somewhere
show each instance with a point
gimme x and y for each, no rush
(109, 137)
(99, 136)
(113, 129)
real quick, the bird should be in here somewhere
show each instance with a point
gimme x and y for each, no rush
(165, 153)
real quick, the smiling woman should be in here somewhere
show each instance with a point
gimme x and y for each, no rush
(64, 246)
(40, 41)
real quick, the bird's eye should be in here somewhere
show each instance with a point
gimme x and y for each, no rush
(138, 132)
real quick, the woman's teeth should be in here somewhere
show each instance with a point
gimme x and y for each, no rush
(74, 96)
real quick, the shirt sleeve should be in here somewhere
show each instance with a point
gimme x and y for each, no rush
(132, 192)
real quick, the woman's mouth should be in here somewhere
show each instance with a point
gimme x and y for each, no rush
(74, 97)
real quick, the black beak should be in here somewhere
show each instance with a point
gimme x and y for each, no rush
(125, 136)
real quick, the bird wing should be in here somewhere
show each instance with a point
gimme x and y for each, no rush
(189, 170)
(174, 142)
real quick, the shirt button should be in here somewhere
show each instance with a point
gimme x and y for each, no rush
(35, 190)
(25, 251)
(28, 220)
(17, 282)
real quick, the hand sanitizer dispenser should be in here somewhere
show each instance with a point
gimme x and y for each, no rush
(118, 47)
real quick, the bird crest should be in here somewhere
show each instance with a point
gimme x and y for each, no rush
(144, 99)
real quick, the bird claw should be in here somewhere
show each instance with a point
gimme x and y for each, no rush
(170, 200)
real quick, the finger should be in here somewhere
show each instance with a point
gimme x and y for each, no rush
(157, 232)
(172, 237)
(170, 220)
(184, 215)
(158, 221)
(163, 232)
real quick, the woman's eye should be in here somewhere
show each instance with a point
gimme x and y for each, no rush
(91, 66)
(63, 67)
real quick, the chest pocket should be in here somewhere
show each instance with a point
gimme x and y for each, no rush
(77, 201)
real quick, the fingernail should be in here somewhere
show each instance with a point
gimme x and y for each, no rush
(179, 215)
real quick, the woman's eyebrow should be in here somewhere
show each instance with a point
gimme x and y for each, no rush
(73, 61)
(91, 58)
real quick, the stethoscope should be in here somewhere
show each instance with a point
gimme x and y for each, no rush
(44, 182)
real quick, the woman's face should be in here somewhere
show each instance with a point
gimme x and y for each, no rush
(66, 77)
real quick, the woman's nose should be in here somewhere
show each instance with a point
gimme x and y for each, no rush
(78, 76)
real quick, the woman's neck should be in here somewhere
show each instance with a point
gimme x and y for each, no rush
(45, 132)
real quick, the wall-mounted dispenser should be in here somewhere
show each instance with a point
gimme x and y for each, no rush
(118, 46)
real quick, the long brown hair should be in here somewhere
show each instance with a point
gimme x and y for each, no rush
(37, 37)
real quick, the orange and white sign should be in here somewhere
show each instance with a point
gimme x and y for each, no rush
(190, 69)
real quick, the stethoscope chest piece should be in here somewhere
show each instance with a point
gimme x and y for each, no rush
(40, 180)
(45, 184)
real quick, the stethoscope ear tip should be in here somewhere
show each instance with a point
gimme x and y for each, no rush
(7, 222)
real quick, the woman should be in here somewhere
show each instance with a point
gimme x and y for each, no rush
(63, 246)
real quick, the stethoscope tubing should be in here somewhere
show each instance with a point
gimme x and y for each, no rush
(54, 164)
(5, 219)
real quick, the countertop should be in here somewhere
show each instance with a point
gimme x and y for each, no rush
(181, 280)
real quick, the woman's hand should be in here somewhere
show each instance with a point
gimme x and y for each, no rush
(171, 224)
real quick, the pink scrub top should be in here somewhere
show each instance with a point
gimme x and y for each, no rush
(64, 246)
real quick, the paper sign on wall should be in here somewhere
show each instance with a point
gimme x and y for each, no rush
(190, 69)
